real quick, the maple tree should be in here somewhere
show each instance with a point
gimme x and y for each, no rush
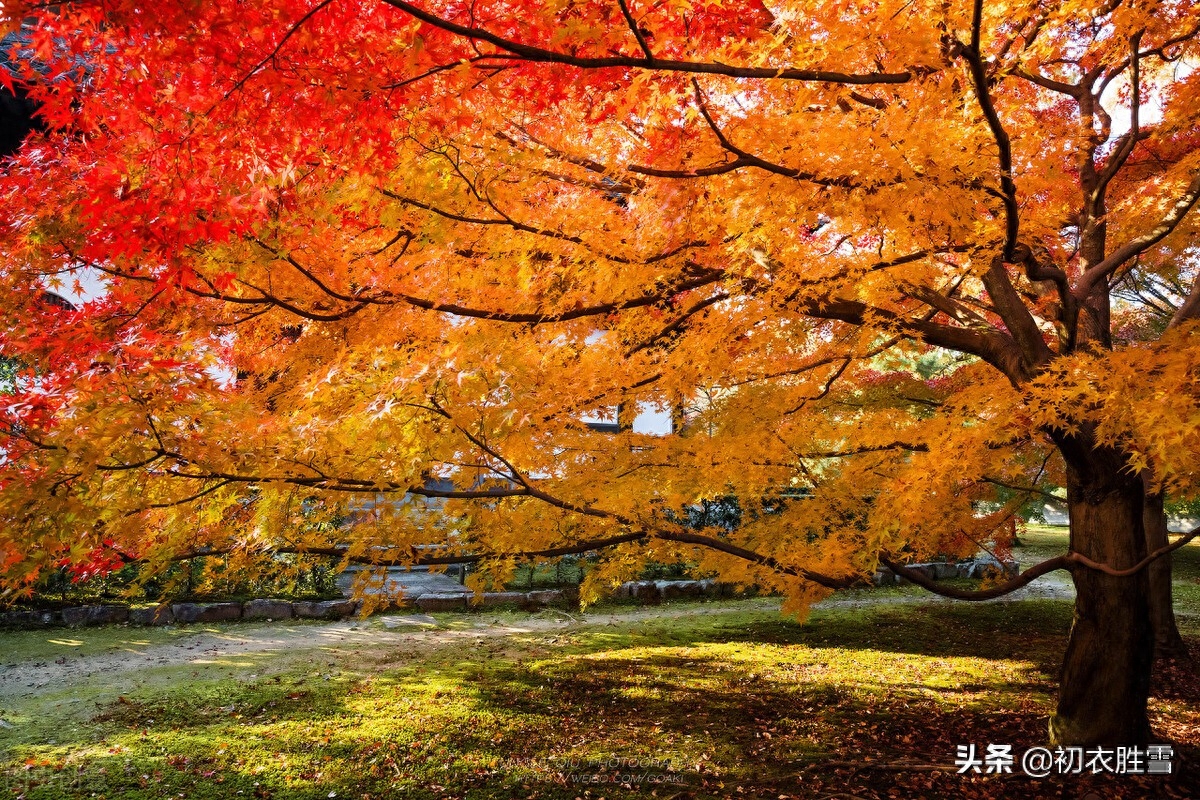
(869, 256)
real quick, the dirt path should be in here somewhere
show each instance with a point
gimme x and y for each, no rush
(207, 648)
(413, 632)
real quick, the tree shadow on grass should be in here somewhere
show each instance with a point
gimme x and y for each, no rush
(536, 730)
(806, 738)
(773, 707)
(1033, 630)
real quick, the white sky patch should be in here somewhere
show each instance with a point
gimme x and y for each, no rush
(651, 420)
(79, 285)
(1150, 111)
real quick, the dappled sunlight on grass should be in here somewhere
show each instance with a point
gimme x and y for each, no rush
(734, 697)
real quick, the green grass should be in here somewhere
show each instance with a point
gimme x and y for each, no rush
(713, 699)
(1040, 542)
(705, 703)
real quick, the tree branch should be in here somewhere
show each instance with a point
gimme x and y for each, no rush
(1129, 140)
(601, 309)
(1068, 561)
(711, 543)
(509, 222)
(1015, 314)
(414, 558)
(678, 323)
(291, 31)
(637, 34)
(742, 158)
(1024, 579)
(343, 484)
(1008, 187)
(1088, 280)
(993, 346)
(533, 53)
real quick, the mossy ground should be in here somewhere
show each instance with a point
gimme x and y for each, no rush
(701, 700)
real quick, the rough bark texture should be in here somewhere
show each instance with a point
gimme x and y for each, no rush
(1105, 679)
(1167, 641)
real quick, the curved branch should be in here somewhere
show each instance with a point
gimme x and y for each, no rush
(754, 557)
(1128, 142)
(678, 323)
(1013, 311)
(533, 53)
(474, 558)
(1024, 489)
(1141, 565)
(340, 484)
(742, 158)
(1067, 561)
(1069, 89)
(598, 310)
(1024, 579)
(509, 222)
(992, 345)
(414, 559)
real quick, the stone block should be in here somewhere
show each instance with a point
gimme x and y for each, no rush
(29, 619)
(944, 570)
(546, 597)
(442, 602)
(646, 591)
(95, 615)
(922, 569)
(676, 590)
(494, 599)
(325, 609)
(206, 612)
(151, 615)
(266, 609)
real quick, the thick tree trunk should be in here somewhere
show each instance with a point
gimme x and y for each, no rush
(1105, 679)
(1167, 641)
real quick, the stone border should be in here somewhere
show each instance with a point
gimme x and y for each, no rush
(264, 609)
(269, 609)
(169, 613)
(657, 591)
(466, 601)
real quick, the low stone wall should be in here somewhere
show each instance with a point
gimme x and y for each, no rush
(465, 601)
(264, 609)
(269, 609)
(657, 591)
(166, 614)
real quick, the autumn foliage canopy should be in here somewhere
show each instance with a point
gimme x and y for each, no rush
(893, 269)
